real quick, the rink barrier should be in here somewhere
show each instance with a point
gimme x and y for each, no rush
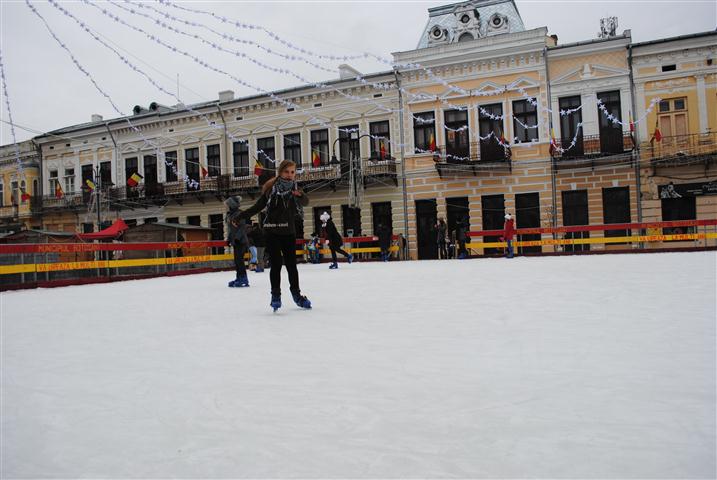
(76, 248)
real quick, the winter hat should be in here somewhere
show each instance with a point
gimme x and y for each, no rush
(233, 203)
(325, 217)
(508, 216)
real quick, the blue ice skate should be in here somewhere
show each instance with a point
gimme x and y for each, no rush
(275, 301)
(242, 281)
(301, 300)
(334, 266)
(351, 258)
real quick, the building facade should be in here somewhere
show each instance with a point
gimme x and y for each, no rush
(484, 117)
(20, 206)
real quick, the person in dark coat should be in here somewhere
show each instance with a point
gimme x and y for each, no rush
(237, 239)
(331, 234)
(256, 237)
(383, 232)
(461, 236)
(441, 238)
(509, 233)
(283, 201)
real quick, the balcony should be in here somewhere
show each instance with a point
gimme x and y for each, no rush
(8, 212)
(483, 156)
(681, 150)
(318, 176)
(591, 150)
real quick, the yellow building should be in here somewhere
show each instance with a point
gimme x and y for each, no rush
(19, 187)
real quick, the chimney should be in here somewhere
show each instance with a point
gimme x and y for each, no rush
(347, 71)
(96, 118)
(226, 96)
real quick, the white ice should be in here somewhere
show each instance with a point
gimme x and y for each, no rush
(563, 367)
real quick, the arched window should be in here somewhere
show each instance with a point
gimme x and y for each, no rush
(465, 37)
(2, 195)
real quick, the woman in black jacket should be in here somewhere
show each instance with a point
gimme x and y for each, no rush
(237, 239)
(283, 201)
(335, 241)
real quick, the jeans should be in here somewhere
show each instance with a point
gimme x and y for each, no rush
(252, 251)
(510, 248)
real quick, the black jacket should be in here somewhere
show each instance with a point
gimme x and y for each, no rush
(236, 227)
(332, 235)
(384, 237)
(441, 233)
(256, 236)
(280, 219)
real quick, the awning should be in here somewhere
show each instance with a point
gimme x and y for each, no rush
(110, 232)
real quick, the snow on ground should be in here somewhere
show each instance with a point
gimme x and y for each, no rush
(561, 367)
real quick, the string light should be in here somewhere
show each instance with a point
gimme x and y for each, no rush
(21, 171)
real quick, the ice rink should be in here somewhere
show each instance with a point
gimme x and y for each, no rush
(562, 367)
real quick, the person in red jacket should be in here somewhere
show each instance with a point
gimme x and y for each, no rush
(508, 233)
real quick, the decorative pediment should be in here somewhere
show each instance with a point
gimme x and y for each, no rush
(487, 88)
(347, 115)
(240, 133)
(167, 142)
(291, 125)
(525, 82)
(212, 135)
(318, 120)
(265, 128)
(188, 140)
(588, 72)
(131, 147)
(421, 97)
(378, 112)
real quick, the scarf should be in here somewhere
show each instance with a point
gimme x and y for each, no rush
(281, 192)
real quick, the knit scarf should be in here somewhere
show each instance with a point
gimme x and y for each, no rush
(281, 192)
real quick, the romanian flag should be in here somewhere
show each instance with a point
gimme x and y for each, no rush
(382, 150)
(204, 171)
(133, 181)
(632, 122)
(506, 146)
(90, 185)
(432, 143)
(258, 168)
(553, 142)
(315, 158)
(58, 190)
(658, 134)
(24, 196)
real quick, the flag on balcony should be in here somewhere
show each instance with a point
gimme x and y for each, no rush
(432, 143)
(632, 122)
(58, 190)
(553, 142)
(24, 196)
(315, 158)
(203, 170)
(90, 185)
(382, 150)
(657, 136)
(506, 146)
(133, 181)
(258, 168)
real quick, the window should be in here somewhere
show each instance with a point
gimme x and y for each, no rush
(266, 153)
(525, 114)
(456, 209)
(292, 148)
(616, 209)
(380, 147)
(493, 210)
(382, 214)
(352, 220)
(575, 212)
(53, 181)
(214, 163)
(672, 119)
(150, 220)
(191, 160)
(216, 223)
(669, 68)
(88, 227)
(130, 167)
(527, 215)
(317, 217)
(610, 133)
(194, 220)
(569, 126)
(457, 135)
(106, 173)
(241, 159)
(465, 36)
(131, 222)
(69, 180)
(320, 147)
(172, 220)
(170, 166)
(86, 173)
(490, 149)
(14, 193)
(676, 205)
(424, 131)
(2, 195)
(349, 148)
(150, 170)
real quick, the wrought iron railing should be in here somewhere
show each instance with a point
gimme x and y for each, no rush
(604, 144)
(680, 147)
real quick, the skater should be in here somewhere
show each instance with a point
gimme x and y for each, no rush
(441, 239)
(461, 235)
(508, 233)
(284, 201)
(237, 239)
(313, 246)
(331, 235)
(383, 232)
(256, 237)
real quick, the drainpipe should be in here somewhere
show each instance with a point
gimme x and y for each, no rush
(403, 162)
(38, 201)
(117, 159)
(636, 137)
(553, 181)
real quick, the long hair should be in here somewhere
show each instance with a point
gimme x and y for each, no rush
(270, 183)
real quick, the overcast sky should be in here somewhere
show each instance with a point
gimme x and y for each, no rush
(48, 92)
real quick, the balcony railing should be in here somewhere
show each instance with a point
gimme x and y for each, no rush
(592, 146)
(8, 211)
(483, 152)
(680, 149)
(323, 172)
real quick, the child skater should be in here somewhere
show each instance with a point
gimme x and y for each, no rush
(335, 241)
(237, 239)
